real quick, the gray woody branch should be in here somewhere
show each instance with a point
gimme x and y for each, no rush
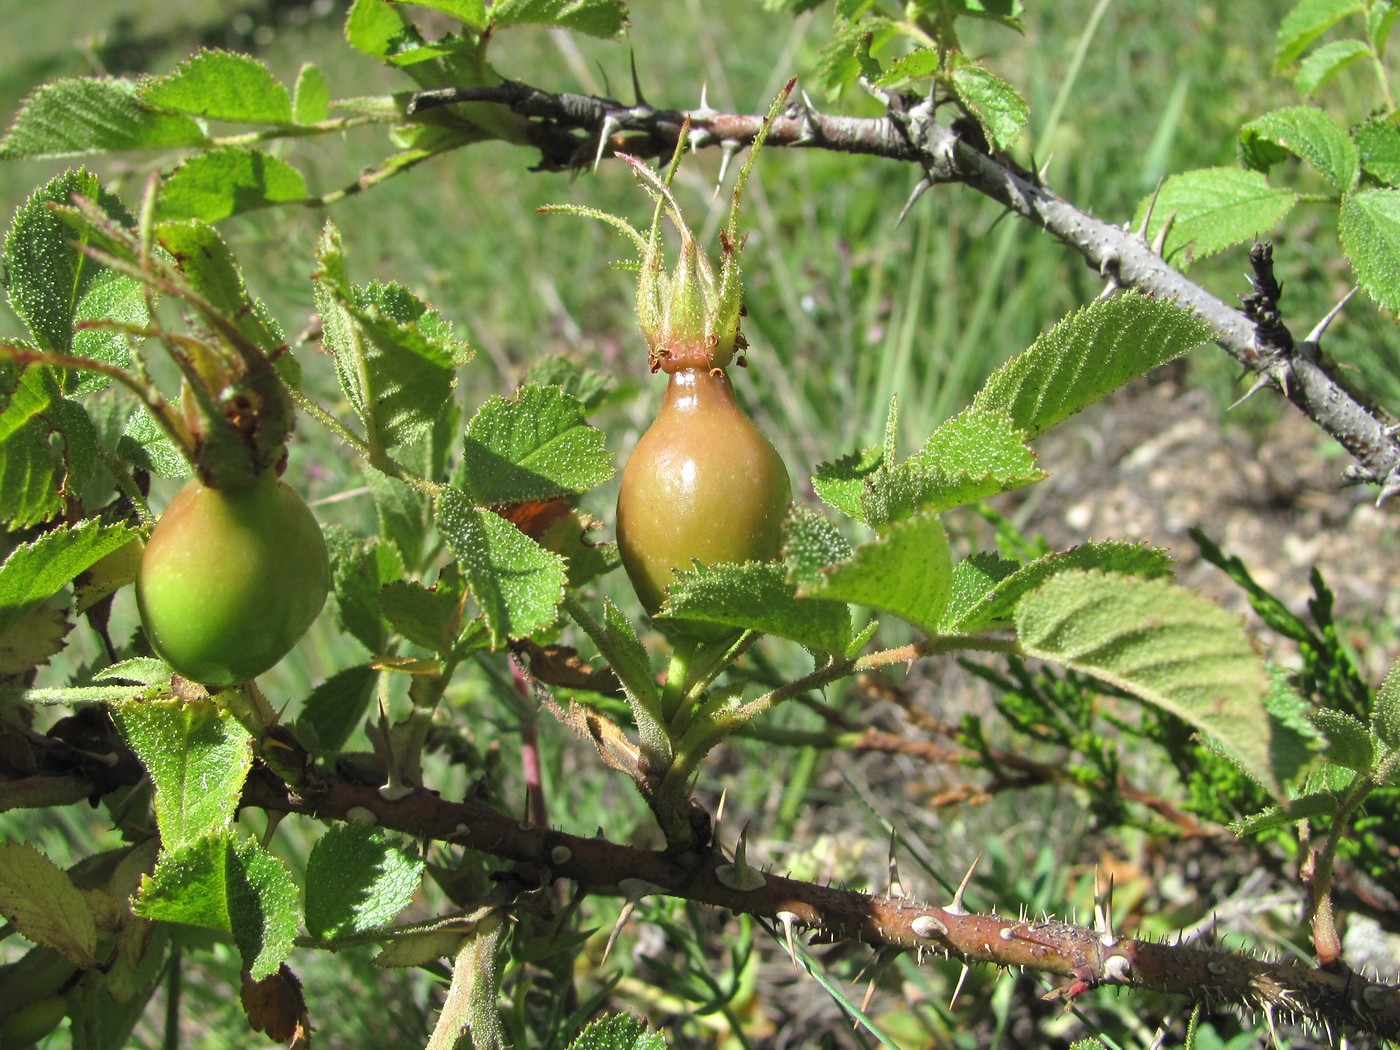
(576, 130)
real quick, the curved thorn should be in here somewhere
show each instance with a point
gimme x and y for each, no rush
(1315, 335)
(1265, 380)
(957, 989)
(1151, 207)
(920, 188)
(610, 124)
(956, 907)
(1159, 242)
(637, 84)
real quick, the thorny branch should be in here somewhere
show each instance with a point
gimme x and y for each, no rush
(573, 130)
(1084, 957)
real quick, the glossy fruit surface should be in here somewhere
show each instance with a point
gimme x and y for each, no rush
(702, 484)
(231, 579)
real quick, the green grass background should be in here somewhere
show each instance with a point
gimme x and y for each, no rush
(845, 309)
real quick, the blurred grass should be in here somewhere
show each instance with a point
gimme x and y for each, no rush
(846, 310)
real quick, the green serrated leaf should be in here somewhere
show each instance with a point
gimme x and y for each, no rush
(142, 670)
(600, 18)
(204, 258)
(31, 640)
(618, 1032)
(198, 758)
(1087, 356)
(916, 65)
(403, 514)
(30, 473)
(221, 85)
(311, 97)
(229, 885)
(811, 544)
(44, 905)
(534, 446)
(590, 387)
(1326, 62)
(430, 618)
(1308, 20)
(53, 286)
(997, 106)
(145, 446)
(1305, 132)
(996, 605)
(1165, 645)
(1380, 20)
(754, 595)
(1379, 143)
(75, 116)
(471, 13)
(1314, 804)
(516, 582)
(1385, 710)
(335, 707)
(1212, 209)
(974, 578)
(906, 571)
(355, 582)
(214, 185)
(396, 358)
(841, 484)
(978, 453)
(357, 879)
(37, 570)
(1370, 228)
(1349, 743)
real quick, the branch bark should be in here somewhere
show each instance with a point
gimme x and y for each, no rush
(573, 130)
(1085, 957)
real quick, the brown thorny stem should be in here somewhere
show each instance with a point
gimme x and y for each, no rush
(574, 130)
(1084, 957)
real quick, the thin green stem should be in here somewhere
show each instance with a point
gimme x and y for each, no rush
(380, 460)
(674, 692)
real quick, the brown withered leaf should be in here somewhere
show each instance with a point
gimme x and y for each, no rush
(276, 1007)
(562, 666)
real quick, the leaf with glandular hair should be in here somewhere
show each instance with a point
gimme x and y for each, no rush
(229, 885)
(214, 185)
(221, 85)
(618, 1032)
(357, 879)
(997, 604)
(1385, 710)
(1305, 132)
(906, 570)
(395, 357)
(1370, 227)
(533, 446)
(54, 286)
(1087, 356)
(1212, 209)
(996, 105)
(80, 115)
(516, 582)
(1307, 21)
(755, 596)
(600, 18)
(37, 570)
(1165, 645)
(198, 758)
